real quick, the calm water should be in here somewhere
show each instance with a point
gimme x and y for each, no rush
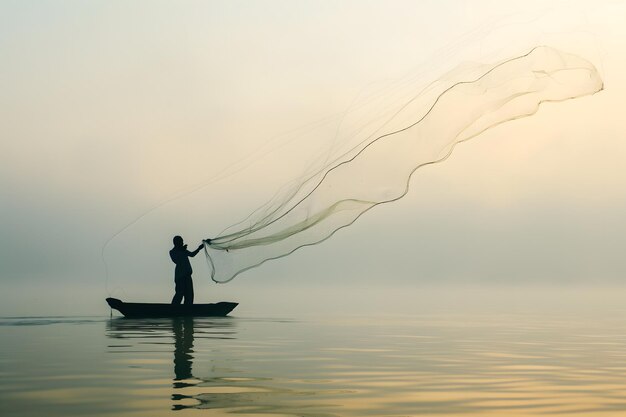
(445, 364)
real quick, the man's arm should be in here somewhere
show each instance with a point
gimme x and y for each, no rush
(194, 253)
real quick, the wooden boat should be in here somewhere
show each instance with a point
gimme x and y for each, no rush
(141, 310)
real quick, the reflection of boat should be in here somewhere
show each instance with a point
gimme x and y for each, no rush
(171, 310)
(156, 332)
(211, 367)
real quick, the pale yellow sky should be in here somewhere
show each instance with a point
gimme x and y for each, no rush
(108, 108)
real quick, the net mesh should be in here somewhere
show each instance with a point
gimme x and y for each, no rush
(372, 164)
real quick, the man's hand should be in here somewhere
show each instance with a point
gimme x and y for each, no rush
(208, 241)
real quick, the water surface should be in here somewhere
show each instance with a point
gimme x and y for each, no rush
(444, 364)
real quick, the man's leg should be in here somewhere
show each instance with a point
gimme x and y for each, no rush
(178, 297)
(189, 291)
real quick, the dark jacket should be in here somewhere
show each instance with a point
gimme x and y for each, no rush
(180, 256)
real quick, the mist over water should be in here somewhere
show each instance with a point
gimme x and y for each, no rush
(483, 292)
(349, 180)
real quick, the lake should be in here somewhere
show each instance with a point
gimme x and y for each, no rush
(517, 362)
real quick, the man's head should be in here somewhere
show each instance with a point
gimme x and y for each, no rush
(178, 241)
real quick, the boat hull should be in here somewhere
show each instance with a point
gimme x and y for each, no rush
(144, 310)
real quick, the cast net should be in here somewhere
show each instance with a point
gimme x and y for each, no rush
(372, 164)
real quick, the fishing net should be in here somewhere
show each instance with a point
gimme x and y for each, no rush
(372, 163)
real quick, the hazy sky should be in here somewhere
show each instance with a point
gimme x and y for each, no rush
(109, 107)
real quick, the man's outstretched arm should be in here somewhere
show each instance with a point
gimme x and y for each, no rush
(194, 253)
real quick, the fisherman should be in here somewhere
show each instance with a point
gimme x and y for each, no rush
(182, 274)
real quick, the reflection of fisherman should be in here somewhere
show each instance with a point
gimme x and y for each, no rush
(182, 275)
(183, 343)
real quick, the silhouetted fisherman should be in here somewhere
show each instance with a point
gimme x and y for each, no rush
(182, 274)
